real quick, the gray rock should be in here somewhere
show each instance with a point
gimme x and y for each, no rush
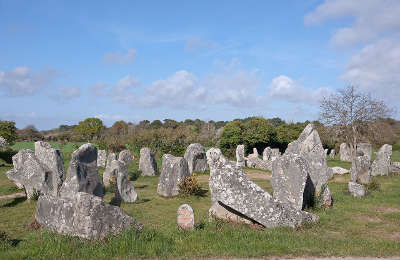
(101, 158)
(195, 156)
(361, 170)
(339, 170)
(108, 174)
(124, 188)
(3, 142)
(147, 163)
(125, 156)
(332, 154)
(395, 167)
(82, 173)
(230, 187)
(345, 153)
(185, 217)
(240, 159)
(267, 154)
(54, 162)
(31, 174)
(326, 151)
(82, 215)
(174, 170)
(255, 162)
(364, 149)
(254, 154)
(381, 165)
(309, 146)
(291, 181)
(357, 190)
(220, 211)
(275, 154)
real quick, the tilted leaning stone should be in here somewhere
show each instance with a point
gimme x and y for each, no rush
(195, 156)
(381, 164)
(125, 156)
(108, 176)
(83, 215)
(230, 186)
(174, 170)
(101, 158)
(147, 163)
(361, 170)
(364, 149)
(291, 181)
(309, 146)
(82, 173)
(240, 159)
(345, 153)
(53, 160)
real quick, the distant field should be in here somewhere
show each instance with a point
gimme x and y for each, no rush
(67, 148)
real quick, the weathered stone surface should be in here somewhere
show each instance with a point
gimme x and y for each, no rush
(381, 165)
(101, 158)
(291, 181)
(326, 151)
(255, 162)
(147, 163)
(195, 156)
(230, 186)
(174, 169)
(361, 170)
(254, 154)
(267, 154)
(240, 159)
(345, 153)
(395, 167)
(332, 154)
(125, 156)
(123, 187)
(275, 154)
(54, 162)
(309, 146)
(339, 170)
(82, 173)
(30, 173)
(82, 215)
(185, 217)
(357, 190)
(108, 174)
(220, 211)
(3, 142)
(364, 149)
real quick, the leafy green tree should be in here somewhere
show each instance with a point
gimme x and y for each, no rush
(276, 121)
(8, 131)
(156, 124)
(119, 128)
(89, 128)
(259, 133)
(232, 136)
(170, 123)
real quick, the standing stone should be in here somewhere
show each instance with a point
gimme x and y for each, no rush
(31, 174)
(361, 170)
(185, 217)
(125, 156)
(357, 190)
(254, 154)
(332, 154)
(101, 158)
(83, 215)
(195, 156)
(124, 188)
(275, 154)
(381, 165)
(240, 159)
(82, 173)
(230, 187)
(291, 181)
(326, 151)
(147, 163)
(174, 170)
(364, 149)
(309, 146)
(3, 142)
(345, 153)
(267, 154)
(53, 160)
(108, 175)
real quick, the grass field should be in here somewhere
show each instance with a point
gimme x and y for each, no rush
(369, 226)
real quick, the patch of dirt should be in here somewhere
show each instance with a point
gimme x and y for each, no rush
(202, 178)
(386, 210)
(257, 174)
(339, 178)
(13, 196)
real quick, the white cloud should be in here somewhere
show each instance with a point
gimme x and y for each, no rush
(21, 81)
(372, 19)
(66, 94)
(99, 89)
(126, 83)
(119, 58)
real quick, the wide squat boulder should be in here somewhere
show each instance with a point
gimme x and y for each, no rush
(195, 156)
(108, 173)
(101, 158)
(361, 170)
(231, 188)
(345, 153)
(291, 181)
(123, 189)
(82, 173)
(83, 215)
(174, 170)
(309, 146)
(240, 159)
(381, 165)
(125, 156)
(147, 163)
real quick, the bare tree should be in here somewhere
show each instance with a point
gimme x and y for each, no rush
(351, 111)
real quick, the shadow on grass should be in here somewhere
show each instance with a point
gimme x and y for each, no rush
(141, 186)
(14, 202)
(134, 175)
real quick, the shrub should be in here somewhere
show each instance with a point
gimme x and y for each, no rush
(5, 240)
(373, 185)
(189, 186)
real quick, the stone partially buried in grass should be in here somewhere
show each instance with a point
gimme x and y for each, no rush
(174, 170)
(185, 217)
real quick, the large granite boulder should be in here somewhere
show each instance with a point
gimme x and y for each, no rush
(54, 162)
(125, 156)
(147, 163)
(82, 173)
(309, 146)
(174, 170)
(332, 154)
(381, 165)
(361, 170)
(101, 158)
(83, 215)
(3, 142)
(291, 181)
(230, 187)
(357, 190)
(195, 156)
(364, 149)
(267, 154)
(108, 174)
(31, 174)
(345, 153)
(240, 159)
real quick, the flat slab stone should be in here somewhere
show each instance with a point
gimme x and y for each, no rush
(339, 170)
(357, 190)
(185, 217)
(147, 162)
(125, 156)
(101, 158)
(195, 156)
(383, 160)
(174, 170)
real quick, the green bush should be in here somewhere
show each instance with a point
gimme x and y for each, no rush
(189, 186)
(7, 155)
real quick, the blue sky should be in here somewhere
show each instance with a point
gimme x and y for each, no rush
(64, 61)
